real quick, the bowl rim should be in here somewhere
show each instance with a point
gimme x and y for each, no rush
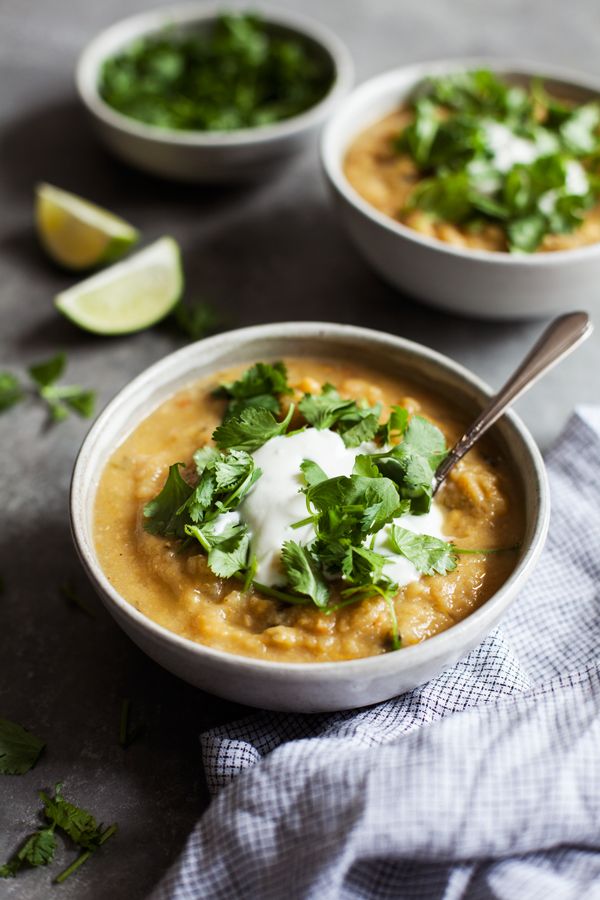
(331, 159)
(457, 635)
(99, 49)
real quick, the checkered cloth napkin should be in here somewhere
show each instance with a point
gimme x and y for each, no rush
(484, 783)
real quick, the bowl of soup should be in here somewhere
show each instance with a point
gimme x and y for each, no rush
(256, 512)
(473, 184)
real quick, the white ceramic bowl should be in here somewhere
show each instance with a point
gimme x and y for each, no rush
(473, 282)
(304, 687)
(245, 155)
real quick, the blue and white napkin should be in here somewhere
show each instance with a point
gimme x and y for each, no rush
(484, 783)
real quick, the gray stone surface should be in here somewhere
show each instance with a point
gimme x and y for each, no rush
(273, 252)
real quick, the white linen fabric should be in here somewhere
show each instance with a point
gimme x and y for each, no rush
(484, 783)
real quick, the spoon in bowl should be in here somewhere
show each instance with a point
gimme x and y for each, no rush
(559, 339)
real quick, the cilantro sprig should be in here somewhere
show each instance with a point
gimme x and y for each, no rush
(464, 177)
(60, 399)
(79, 825)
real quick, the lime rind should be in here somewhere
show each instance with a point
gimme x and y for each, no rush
(78, 234)
(131, 295)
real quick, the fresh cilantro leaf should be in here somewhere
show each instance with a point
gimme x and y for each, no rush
(79, 824)
(580, 130)
(525, 234)
(364, 465)
(61, 398)
(365, 427)
(261, 401)
(38, 850)
(10, 390)
(230, 468)
(250, 430)
(363, 566)
(395, 426)
(19, 748)
(325, 409)
(428, 554)
(48, 372)
(313, 473)
(196, 320)
(205, 457)
(230, 555)
(259, 379)
(353, 505)
(161, 514)
(303, 573)
(412, 463)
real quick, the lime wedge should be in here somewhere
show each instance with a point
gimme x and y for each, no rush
(131, 295)
(77, 234)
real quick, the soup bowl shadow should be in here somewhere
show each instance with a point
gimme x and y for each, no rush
(319, 686)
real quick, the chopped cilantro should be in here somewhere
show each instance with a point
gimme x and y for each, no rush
(238, 73)
(19, 748)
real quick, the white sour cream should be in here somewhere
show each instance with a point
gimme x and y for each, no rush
(275, 502)
(507, 148)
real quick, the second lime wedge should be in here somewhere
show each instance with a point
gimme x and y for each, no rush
(78, 234)
(129, 296)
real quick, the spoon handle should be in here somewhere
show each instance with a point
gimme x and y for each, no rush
(558, 340)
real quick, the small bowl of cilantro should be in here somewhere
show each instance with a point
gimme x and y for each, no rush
(212, 94)
(474, 186)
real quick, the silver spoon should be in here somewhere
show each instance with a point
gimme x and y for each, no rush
(559, 339)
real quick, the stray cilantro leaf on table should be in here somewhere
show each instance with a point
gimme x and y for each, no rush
(77, 823)
(196, 320)
(37, 850)
(61, 398)
(11, 391)
(19, 748)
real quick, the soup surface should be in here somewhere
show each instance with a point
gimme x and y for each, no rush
(480, 507)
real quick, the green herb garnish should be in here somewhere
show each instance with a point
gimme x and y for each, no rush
(78, 824)
(19, 748)
(463, 123)
(196, 320)
(60, 399)
(237, 73)
(340, 565)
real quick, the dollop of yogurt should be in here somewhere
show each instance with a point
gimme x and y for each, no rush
(275, 502)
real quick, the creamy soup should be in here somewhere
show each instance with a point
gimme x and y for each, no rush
(479, 508)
